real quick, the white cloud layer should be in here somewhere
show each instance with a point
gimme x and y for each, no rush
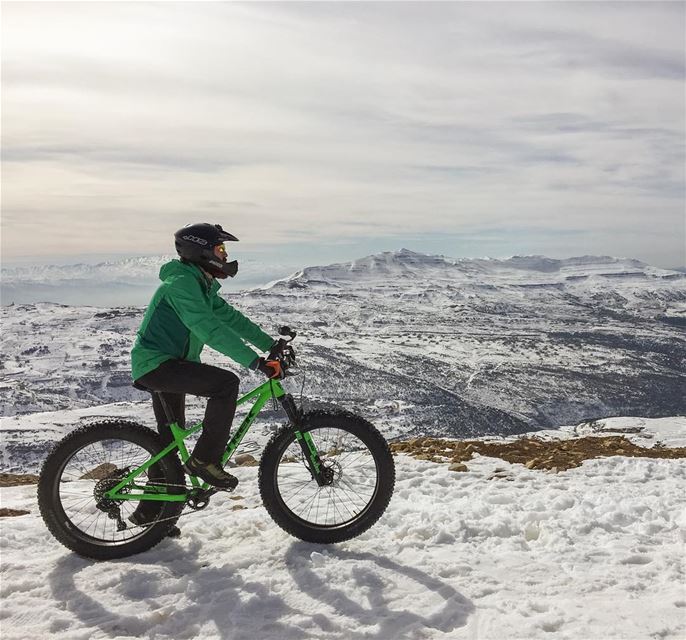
(559, 124)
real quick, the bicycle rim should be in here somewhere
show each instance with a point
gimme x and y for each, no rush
(347, 498)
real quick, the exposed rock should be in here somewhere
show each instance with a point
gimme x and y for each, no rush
(457, 466)
(4, 512)
(104, 470)
(245, 460)
(15, 480)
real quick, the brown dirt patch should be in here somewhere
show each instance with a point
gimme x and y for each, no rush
(5, 513)
(17, 479)
(532, 452)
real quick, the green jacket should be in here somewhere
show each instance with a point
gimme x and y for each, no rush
(184, 315)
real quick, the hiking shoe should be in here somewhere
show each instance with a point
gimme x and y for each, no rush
(174, 532)
(211, 473)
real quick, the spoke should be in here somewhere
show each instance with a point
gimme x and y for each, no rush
(299, 490)
(81, 494)
(352, 515)
(81, 511)
(81, 469)
(77, 502)
(335, 508)
(309, 502)
(90, 517)
(348, 490)
(353, 503)
(360, 455)
(328, 506)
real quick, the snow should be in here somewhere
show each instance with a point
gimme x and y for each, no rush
(499, 551)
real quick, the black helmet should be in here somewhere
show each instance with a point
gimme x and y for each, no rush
(195, 243)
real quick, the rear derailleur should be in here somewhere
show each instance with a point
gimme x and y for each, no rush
(106, 505)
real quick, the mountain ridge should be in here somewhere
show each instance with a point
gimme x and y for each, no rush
(145, 267)
(405, 262)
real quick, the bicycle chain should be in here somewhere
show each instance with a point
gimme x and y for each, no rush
(183, 513)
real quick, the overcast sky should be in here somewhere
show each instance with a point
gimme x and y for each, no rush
(325, 131)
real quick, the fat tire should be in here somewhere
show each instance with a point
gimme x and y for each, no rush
(311, 532)
(48, 489)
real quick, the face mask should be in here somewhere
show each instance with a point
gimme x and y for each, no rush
(231, 268)
(222, 269)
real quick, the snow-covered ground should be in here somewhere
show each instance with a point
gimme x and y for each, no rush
(500, 551)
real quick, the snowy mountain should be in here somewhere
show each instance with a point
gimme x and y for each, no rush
(498, 551)
(397, 268)
(428, 344)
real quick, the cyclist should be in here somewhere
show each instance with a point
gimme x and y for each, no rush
(184, 314)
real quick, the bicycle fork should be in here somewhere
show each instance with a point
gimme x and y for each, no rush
(321, 474)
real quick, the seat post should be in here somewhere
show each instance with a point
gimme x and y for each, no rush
(167, 409)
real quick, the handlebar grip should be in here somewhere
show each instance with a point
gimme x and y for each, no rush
(287, 331)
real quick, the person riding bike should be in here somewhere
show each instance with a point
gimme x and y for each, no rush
(185, 314)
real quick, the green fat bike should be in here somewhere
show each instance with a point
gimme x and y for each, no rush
(326, 476)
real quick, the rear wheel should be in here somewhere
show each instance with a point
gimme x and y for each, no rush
(87, 463)
(358, 463)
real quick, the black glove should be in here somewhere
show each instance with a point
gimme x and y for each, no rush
(276, 349)
(289, 356)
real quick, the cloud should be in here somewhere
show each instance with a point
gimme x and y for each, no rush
(339, 120)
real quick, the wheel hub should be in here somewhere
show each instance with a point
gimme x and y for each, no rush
(332, 473)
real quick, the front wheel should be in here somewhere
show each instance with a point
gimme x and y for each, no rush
(357, 459)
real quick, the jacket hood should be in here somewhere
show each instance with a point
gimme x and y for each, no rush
(178, 268)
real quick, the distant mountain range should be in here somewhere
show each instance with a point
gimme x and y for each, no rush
(125, 271)
(114, 283)
(441, 346)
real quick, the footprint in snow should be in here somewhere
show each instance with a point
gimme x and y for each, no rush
(636, 559)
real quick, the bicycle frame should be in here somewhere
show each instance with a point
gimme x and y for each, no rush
(262, 394)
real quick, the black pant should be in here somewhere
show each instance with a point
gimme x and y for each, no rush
(175, 378)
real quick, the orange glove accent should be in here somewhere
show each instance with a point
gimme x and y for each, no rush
(275, 365)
